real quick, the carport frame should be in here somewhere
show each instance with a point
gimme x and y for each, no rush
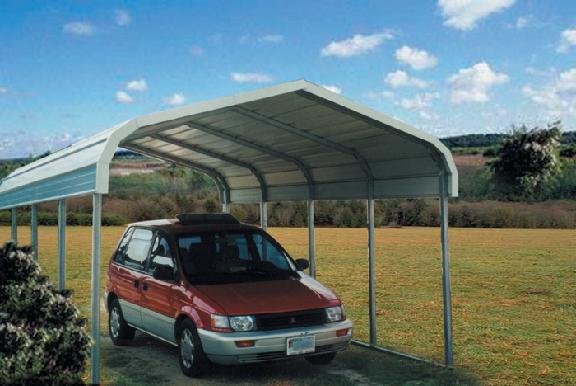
(446, 186)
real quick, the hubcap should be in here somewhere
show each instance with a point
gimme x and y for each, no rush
(187, 348)
(114, 322)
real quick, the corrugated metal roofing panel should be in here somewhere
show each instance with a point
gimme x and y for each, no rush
(285, 137)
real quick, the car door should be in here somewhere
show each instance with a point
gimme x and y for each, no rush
(159, 297)
(130, 269)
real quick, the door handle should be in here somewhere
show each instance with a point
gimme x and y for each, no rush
(145, 286)
(136, 283)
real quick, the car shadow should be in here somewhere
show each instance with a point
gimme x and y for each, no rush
(148, 361)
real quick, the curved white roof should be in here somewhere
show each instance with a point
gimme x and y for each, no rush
(292, 141)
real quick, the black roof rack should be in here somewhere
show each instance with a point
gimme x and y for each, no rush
(206, 218)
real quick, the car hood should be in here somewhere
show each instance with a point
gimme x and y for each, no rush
(262, 297)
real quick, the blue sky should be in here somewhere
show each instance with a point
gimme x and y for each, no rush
(69, 69)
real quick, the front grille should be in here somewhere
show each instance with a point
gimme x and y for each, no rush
(267, 322)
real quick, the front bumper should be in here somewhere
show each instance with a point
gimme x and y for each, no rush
(221, 348)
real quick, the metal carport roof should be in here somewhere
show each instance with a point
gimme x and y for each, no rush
(293, 141)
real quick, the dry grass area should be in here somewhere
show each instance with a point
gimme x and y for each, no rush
(513, 291)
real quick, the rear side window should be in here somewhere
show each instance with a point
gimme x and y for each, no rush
(161, 254)
(122, 246)
(138, 248)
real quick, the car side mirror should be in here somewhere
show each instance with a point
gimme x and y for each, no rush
(164, 273)
(302, 264)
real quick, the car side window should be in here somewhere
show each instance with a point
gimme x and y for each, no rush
(122, 246)
(161, 254)
(138, 248)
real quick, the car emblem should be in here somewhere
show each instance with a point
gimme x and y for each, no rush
(292, 320)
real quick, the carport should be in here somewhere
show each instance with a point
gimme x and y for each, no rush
(293, 141)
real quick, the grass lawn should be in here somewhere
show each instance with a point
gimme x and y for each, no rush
(514, 294)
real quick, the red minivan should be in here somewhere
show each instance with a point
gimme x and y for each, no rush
(222, 292)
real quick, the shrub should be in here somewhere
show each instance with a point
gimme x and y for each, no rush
(43, 340)
(527, 161)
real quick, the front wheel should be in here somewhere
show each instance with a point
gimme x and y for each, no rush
(120, 332)
(190, 354)
(323, 359)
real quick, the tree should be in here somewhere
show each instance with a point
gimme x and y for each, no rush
(526, 161)
(43, 340)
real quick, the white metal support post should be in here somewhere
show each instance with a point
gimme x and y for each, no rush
(264, 215)
(371, 266)
(225, 200)
(34, 230)
(14, 224)
(95, 298)
(446, 288)
(311, 241)
(61, 244)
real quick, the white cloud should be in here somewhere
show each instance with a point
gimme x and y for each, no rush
(400, 78)
(243, 39)
(23, 143)
(567, 81)
(379, 95)
(540, 72)
(123, 97)
(567, 40)
(356, 45)
(474, 83)
(464, 14)
(3, 90)
(250, 77)
(196, 51)
(522, 22)
(559, 97)
(80, 28)
(271, 38)
(334, 89)
(122, 17)
(175, 99)
(419, 102)
(415, 58)
(428, 115)
(139, 85)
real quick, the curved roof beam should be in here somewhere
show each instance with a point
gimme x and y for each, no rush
(261, 148)
(308, 135)
(218, 178)
(213, 154)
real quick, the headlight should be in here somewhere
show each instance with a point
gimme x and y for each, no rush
(334, 314)
(242, 323)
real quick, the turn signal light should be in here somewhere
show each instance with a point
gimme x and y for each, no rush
(244, 343)
(342, 332)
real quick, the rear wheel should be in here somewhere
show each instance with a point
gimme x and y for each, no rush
(323, 359)
(190, 354)
(120, 332)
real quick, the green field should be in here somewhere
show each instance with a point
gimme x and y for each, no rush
(514, 292)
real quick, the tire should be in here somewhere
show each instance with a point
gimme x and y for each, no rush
(191, 357)
(120, 332)
(323, 359)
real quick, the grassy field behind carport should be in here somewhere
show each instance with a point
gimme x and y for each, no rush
(513, 290)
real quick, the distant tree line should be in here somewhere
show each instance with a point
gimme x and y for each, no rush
(491, 140)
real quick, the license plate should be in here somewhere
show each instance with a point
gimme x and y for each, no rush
(300, 345)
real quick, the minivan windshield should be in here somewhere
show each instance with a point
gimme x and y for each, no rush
(223, 257)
